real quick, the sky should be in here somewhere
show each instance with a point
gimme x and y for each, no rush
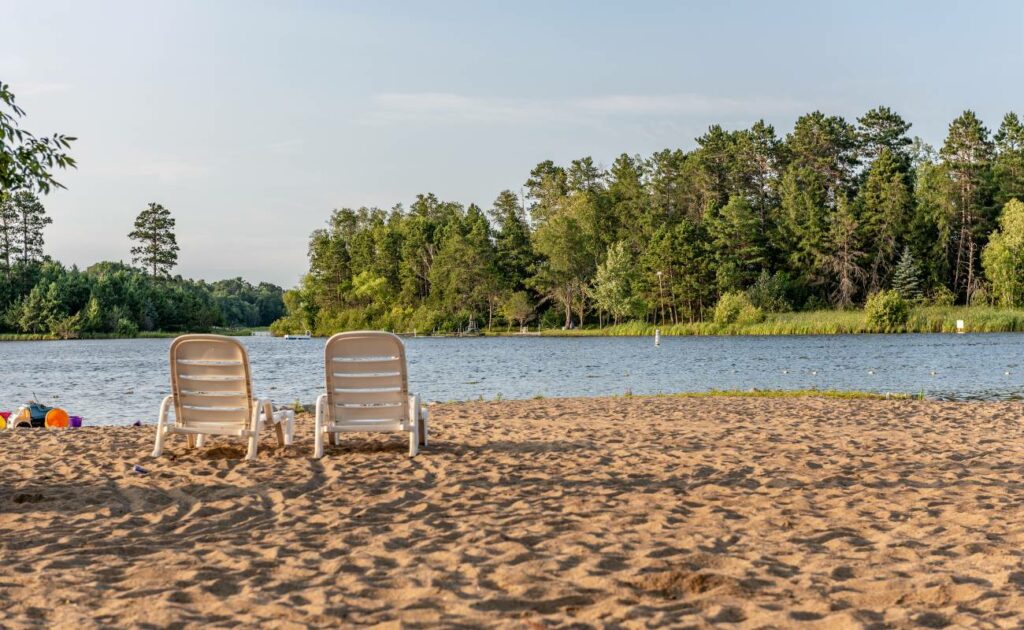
(252, 120)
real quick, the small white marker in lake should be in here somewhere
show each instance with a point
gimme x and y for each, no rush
(960, 326)
(657, 337)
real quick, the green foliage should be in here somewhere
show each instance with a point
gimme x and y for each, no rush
(942, 296)
(157, 248)
(819, 219)
(613, 289)
(1003, 257)
(906, 280)
(114, 299)
(27, 161)
(886, 311)
(768, 292)
(736, 308)
(518, 308)
(1008, 168)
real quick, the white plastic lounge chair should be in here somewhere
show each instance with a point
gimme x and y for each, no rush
(212, 395)
(368, 390)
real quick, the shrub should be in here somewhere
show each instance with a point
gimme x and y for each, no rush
(886, 311)
(736, 308)
(127, 328)
(768, 292)
(943, 296)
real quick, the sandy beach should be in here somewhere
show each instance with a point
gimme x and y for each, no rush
(747, 512)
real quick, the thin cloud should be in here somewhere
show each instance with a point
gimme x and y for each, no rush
(449, 108)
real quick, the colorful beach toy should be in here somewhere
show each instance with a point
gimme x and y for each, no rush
(57, 419)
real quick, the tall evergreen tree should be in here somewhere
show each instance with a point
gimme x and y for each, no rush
(157, 249)
(514, 253)
(8, 233)
(628, 200)
(967, 154)
(665, 183)
(740, 247)
(30, 222)
(756, 170)
(803, 223)
(843, 257)
(883, 129)
(884, 204)
(1008, 168)
(826, 146)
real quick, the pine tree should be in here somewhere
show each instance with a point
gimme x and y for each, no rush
(1008, 168)
(967, 153)
(157, 250)
(8, 233)
(514, 254)
(884, 205)
(906, 279)
(30, 221)
(740, 251)
(883, 129)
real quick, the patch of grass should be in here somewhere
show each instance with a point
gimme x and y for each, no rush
(923, 319)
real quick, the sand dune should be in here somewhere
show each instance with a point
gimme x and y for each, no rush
(640, 512)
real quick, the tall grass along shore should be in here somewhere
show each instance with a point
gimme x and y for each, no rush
(926, 319)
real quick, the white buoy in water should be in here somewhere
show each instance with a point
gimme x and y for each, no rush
(657, 337)
(960, 326)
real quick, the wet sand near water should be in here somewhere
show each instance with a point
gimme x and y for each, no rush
(639, 512)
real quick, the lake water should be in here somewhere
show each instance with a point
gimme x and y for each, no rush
(121, 381)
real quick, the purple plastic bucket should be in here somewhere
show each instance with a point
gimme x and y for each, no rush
(75, 421)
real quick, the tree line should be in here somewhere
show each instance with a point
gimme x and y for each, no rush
(41, 296)
(823, 217)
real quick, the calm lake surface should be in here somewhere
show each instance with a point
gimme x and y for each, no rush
(121, 381)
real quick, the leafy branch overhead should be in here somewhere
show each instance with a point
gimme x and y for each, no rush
(27, 161)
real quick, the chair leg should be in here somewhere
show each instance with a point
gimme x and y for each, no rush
(318, 435)
(161, 426)
(280, 433)
(158, 448)
(190, 439)
(254, 439)
(289, 429)
(424, 420)
(414, 440)
(200, 440)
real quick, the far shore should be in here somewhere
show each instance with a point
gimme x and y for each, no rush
(923, 319)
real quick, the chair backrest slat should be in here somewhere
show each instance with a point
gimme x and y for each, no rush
(211, 382)
(366, 377)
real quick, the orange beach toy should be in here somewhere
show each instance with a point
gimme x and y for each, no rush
(57, 419)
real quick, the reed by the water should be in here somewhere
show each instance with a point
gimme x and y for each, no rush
(925, 319)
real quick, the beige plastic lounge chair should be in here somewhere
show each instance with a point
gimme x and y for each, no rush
(212, 395)
(368, 390)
